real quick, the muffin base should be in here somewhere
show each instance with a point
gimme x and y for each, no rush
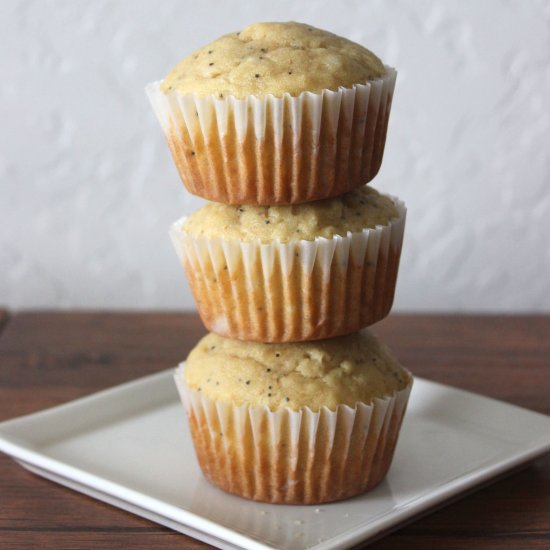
(272, 150)
(294, 457)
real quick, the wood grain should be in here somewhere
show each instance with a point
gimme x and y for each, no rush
(47, 358)
(4, 316)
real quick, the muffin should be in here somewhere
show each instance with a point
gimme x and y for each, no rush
(298, 423)
(292, 273)
(279, 113)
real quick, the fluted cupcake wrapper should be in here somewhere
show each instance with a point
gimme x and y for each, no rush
(301, 290)
(277, 150)
(294, 457)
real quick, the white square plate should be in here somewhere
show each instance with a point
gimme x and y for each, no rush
(130, 446)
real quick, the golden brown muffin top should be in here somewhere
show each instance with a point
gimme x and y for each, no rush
(354, 211)
(342, 370)
(274, 58)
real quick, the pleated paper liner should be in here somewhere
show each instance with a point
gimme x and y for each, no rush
(294, 457)
(277, 150)
(301, 290)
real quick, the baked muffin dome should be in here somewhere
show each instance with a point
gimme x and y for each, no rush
(352, 212)
(324, 373)
(274, 58)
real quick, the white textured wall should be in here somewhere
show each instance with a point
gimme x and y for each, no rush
(88, 188)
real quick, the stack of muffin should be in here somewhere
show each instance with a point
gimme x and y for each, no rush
(282, 125)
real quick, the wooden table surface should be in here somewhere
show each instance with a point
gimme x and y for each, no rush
(48, 358)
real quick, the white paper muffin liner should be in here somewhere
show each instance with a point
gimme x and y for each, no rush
(301, 290)
(277, 150)
(294, 457)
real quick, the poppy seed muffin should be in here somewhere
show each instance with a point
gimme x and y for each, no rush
(298, 423)
(293, 273)
(278, 113)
